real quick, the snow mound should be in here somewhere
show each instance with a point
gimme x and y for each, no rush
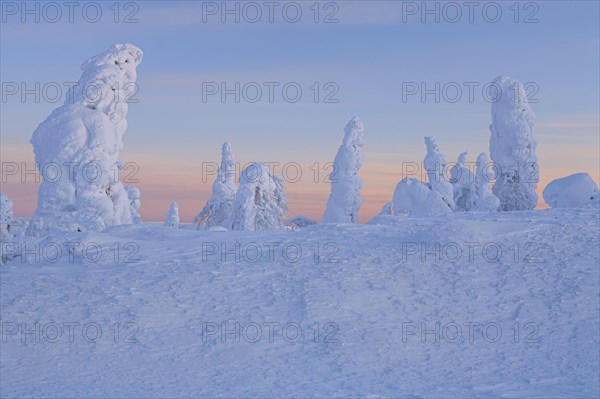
(299, 222)
(412, 197)
(573, 191)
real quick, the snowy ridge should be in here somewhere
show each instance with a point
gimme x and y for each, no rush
(180, 285)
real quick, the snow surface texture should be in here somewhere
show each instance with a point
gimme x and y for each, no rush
(260, 203)
(219, 208)
(172, 219)
(133, 194)
(6, 217)
(173, 293)
(344, 200)
(512, 147)
(77, 148)
(573, 191)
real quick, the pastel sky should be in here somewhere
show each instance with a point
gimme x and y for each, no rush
(364, 60)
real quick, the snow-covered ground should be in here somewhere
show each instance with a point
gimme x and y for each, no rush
(177, 295)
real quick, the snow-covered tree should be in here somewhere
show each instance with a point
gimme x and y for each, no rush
(219, 208)
(484, 199)
(435, 165)
(260, 202)
(133, 194)
(299, 222)
(463, 183)
(344, 200)
(172, 219)
(512, 147)
(573, 191)
(387, 209)
(412, 197)
(77, 148)
(6, 217)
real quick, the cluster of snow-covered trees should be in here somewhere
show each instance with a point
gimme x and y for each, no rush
(258, 204)
(514, 167)
(83, 138)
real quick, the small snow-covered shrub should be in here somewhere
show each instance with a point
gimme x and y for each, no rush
(172, 219)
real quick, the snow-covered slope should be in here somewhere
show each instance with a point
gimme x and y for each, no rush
(366, 306)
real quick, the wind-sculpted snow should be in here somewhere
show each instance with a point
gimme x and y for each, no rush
(512, 147)
(77, 148)
(344, 200)
(180, 316)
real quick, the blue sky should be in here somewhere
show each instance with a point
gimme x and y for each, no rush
(367, 55)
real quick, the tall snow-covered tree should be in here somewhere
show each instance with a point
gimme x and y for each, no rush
(219, 208)
(512, 147)
(463, 183)
(133, 194)
(6, 217)
(77, 148)
(345, 200)
(484, 200)
(260, 202)
(435, 165)
(172, 219)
